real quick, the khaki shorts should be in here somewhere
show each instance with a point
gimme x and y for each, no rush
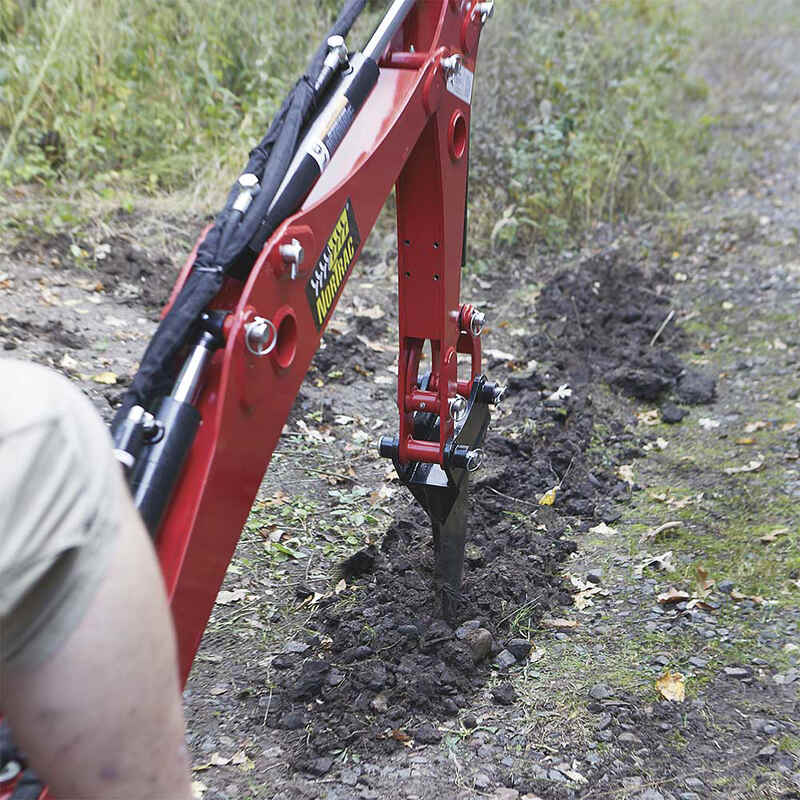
(60, 492)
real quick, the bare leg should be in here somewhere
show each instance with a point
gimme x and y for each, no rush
(102, 718)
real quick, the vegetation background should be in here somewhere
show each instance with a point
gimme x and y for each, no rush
(585, 109)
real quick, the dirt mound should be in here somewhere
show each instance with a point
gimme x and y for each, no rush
(380, 666)
(614, 323)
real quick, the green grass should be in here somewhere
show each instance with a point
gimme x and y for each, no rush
(583, 110)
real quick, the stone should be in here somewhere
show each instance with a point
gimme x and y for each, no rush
(479, 642)
(504, 793)
(650, 794)
(698, 662)
(470, 722)
(467, 627)
(604, 721)
(672, 414)
(595, 576)
(504, 694)
(695, 388)
(695, 783)
(601, 691)
(427, 734)
(505, 659)
(688, 796)
(519, 648)
(767, 753)
(737, 672)
(318, 766)
(628, 738)
(725, 586)
(482, 781)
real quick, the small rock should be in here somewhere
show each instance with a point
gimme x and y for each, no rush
(482, 781)
(650, 794)
(427, 734)
(688, 796)
(737, 672)
(695, 661)
(695, 783)
(603, 721)
(725, 586)
(605, 736)
(349, 777)
(408, 630)
(504, 793)
(767, 753)
(294, 720)
(595, 576)
(672, 414)
(479, 642)
(628, 738)
(519, 648)
(469, 722)
(695, 388)
(504, 694)
(318, 766)
(601, 691)
(293, 646)
(505, 659)
(462, 631)
(302, 591)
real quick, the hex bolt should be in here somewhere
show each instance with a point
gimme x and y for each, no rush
(475, 460)
(458, 407)
(451, 65)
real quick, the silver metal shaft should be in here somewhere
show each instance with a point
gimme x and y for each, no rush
(388, 27)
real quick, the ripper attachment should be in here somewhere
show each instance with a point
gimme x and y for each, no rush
(446, 451)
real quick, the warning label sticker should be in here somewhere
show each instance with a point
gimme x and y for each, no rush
(333, 265)
(460, 84)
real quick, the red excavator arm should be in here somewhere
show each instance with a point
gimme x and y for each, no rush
(412, 133)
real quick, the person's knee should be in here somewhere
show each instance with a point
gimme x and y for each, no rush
(59, 508)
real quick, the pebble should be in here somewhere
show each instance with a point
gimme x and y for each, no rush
(505, 659)
(628, 738)
(604, 721)
(695, 783)
(519, 648)
(504, 793)
(319, 766)
(427, 734)
(650, 794)
(688, 796)
(601, 691)
(479, 641)
(737, 672)
(725, 586)
(768, 752)
(482, 781)
(594, 576)
(470, 722)
(504, 694)
(293, 646)
(467, 627)
(672, 414)
(698, 662)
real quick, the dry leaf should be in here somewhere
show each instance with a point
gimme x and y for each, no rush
(755, 598)
(549, 497)
(107, 378)
(667, 526)
(584, 599)
(746, 440)
(625, 471)
(664, 561)
(773, 535)
(68, 362)
(560, 623)
(340, 587)
(672, 686)
(240, 759)
(603, 530)
(400, 735)
(198, 789)
(703, 585)
(752, 466)
(219, 689)
(225, 597)
(756, 426)
(672, 595)
(652, 417)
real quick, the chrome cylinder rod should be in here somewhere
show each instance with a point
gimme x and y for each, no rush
(390, 24)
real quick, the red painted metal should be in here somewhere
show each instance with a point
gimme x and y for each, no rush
(404, 136)
(399, 139)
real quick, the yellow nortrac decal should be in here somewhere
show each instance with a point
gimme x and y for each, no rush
(333, 265)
